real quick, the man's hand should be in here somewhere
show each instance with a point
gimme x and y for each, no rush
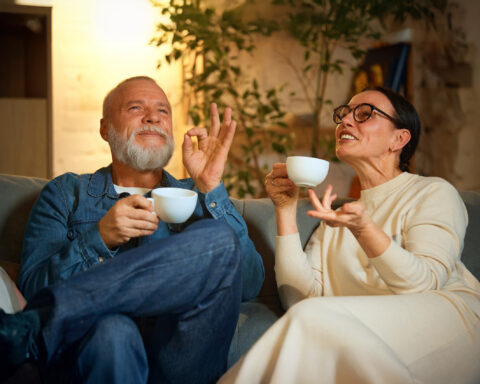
(128, 218)
(206, 165)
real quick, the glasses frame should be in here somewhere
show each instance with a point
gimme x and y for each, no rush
(354, 109)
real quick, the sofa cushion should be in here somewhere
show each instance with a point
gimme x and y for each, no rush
(254, 319)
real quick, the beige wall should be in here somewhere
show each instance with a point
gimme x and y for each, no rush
(450, 114)
(467, 162)
(95, 45)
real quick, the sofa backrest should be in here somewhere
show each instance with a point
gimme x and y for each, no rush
(259, 215)
(18, 194)
(471, 249)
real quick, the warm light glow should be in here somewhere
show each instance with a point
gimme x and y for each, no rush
(124, 22)
(38, 3)
(95, 45)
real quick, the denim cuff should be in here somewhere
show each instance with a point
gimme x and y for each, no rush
(93, 248)
(216, 202)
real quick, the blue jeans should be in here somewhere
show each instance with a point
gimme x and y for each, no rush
(190, 283)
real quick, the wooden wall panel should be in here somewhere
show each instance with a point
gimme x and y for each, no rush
(24, 137)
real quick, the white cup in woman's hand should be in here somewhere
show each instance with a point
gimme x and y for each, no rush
(306, 171)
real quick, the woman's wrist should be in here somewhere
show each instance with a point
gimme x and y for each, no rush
(286, 220)
(373, 240)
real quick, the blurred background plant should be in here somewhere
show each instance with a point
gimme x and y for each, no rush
(323, 26)
(210, 45)
(214, 45)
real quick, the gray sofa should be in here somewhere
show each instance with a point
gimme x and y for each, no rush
(18, 194)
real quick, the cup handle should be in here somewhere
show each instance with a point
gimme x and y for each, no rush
(153, 203)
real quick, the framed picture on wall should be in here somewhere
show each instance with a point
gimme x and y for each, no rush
(386, 66)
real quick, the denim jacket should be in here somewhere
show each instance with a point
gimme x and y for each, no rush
(62, 238)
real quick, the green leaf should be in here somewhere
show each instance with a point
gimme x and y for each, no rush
(278, 148)
(195, 117)
(232, 91)
(177, 54)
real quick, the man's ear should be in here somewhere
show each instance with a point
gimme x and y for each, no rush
(104, 129)
(402, 137)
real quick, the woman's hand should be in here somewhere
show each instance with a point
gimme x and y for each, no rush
(353, 216)
(280, 188)
(284, 195)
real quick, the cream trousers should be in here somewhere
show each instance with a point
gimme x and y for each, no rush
(418, 338)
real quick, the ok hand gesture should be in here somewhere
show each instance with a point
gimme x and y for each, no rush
(206, 164)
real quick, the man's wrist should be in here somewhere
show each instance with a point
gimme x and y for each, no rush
(206, 187)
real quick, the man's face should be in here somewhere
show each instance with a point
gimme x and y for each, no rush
(138, 125)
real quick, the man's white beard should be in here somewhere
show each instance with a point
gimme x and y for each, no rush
(137, 157)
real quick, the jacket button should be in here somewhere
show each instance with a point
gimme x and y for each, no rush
(101, 259)
(213, 205)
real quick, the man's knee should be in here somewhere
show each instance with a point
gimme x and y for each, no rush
(113, 331)
(215, 236)
(212, 226)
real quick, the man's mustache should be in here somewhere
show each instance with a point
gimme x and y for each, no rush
(151, 128)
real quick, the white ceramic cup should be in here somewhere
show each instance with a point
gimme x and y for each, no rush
(174, 205)
(306, 171)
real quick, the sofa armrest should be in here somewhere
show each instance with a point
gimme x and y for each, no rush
(17, 196)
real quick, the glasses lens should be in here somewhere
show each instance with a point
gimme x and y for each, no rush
(340, 112)
(362, 112)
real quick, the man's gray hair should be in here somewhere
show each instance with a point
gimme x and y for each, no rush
(110, 95)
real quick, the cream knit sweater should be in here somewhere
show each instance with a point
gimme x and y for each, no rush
(426, 220)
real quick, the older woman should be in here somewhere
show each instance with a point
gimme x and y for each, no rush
(382, 294)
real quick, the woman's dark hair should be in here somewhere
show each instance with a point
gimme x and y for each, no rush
(405, 117)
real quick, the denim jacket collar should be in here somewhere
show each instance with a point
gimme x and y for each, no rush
(101, 183)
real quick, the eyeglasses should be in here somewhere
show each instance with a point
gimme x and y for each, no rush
(361, 113)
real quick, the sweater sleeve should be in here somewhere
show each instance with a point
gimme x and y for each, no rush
(431, 243)
(298, 273)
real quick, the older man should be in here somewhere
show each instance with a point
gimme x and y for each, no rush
(107, 261)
